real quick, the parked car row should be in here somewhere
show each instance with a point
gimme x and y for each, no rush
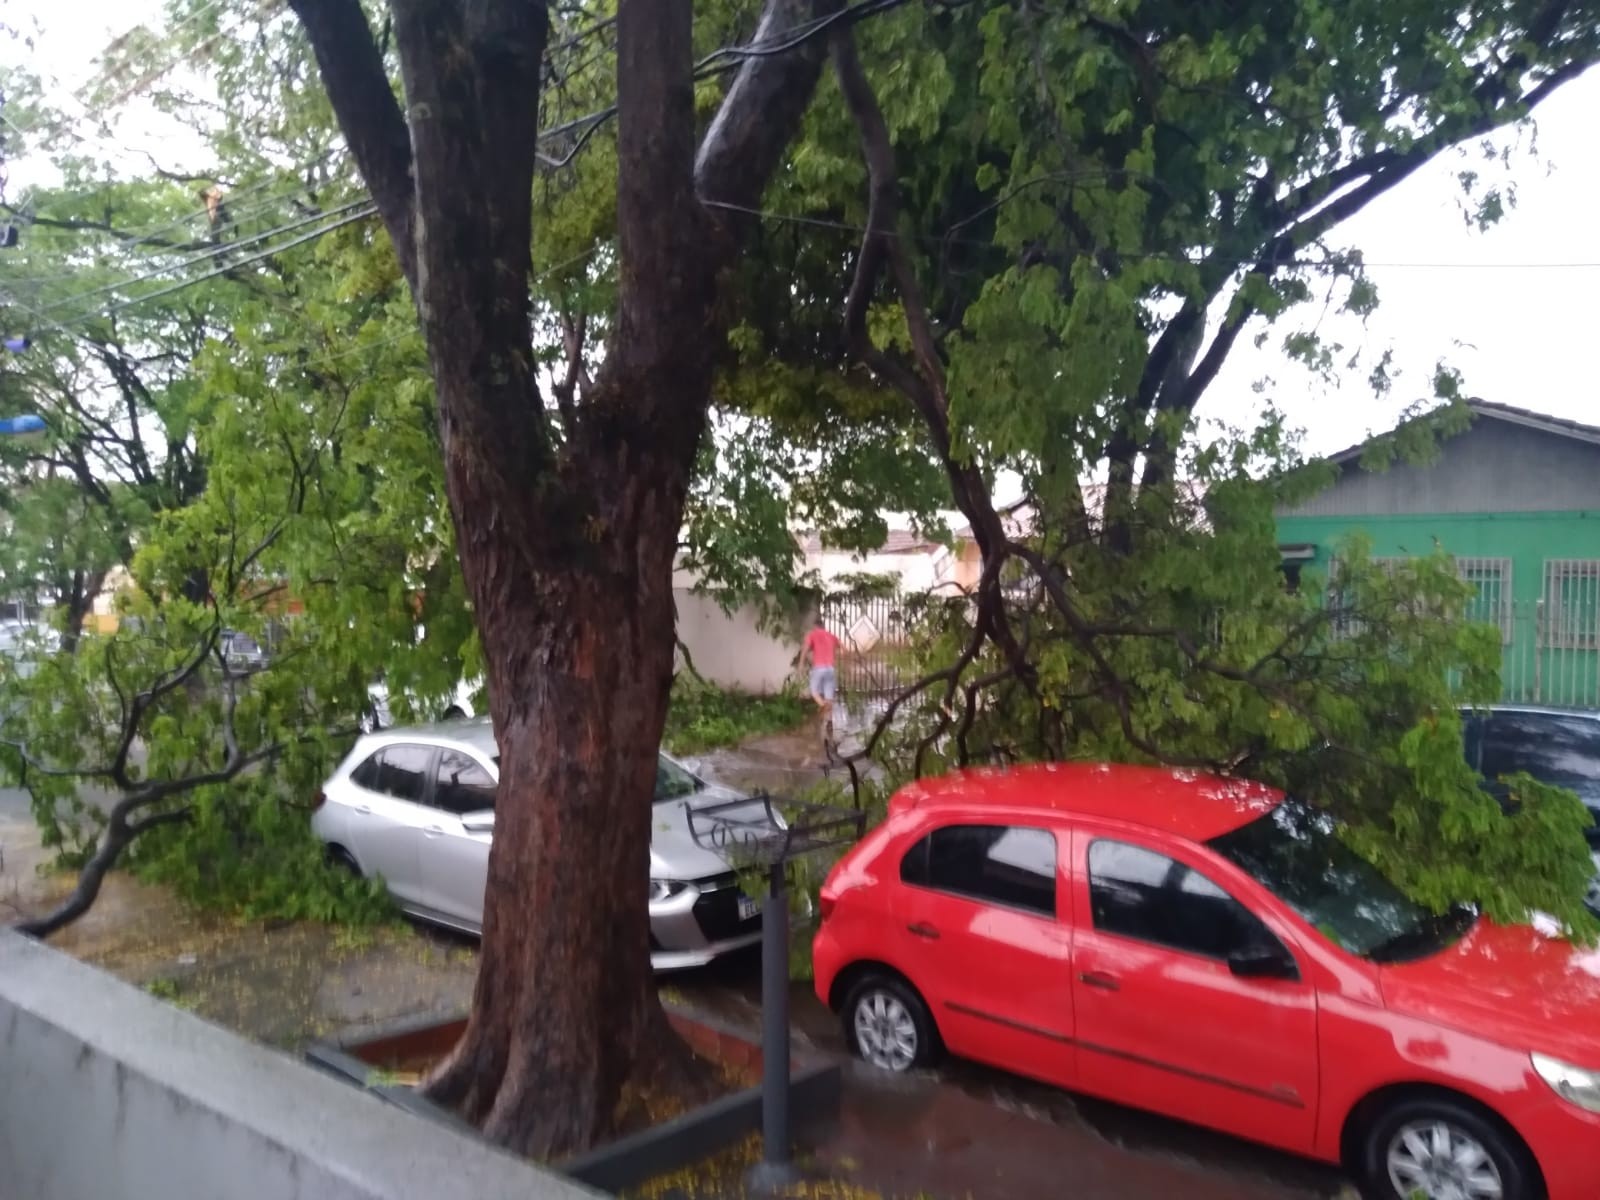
(416, 807)
(1210, 949)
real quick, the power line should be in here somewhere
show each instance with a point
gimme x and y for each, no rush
(709, 67)
(778, 43)
(368, 210)
(359, 215)
(193, 252)
(232, 200)
(89, 114)
(221, 250)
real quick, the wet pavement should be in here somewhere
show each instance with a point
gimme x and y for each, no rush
(966, 1130)
(920, 1137)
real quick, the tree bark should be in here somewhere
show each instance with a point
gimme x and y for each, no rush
(565, 1019)
(566, 544)
(564, 1013)
(81, 595)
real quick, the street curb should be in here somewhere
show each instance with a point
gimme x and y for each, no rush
(815, 1088)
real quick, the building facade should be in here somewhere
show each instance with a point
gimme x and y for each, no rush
(1515, 499)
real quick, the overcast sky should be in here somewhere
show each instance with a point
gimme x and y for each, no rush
(1513, 308)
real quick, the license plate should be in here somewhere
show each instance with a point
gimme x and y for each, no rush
(747, 908)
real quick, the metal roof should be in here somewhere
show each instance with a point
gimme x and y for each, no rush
(1510, 415)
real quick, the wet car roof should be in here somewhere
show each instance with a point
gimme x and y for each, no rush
(1189, 803)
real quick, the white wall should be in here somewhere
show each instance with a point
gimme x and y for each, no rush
(917, 571)
(108, 1094)
(730, 650)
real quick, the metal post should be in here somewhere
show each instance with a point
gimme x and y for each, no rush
(776, 1168)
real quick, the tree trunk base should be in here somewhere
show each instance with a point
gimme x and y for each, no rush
(503, 1088)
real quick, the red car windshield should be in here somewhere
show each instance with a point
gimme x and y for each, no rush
(1296, 853)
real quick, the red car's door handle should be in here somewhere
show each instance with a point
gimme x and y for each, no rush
(924, 930)
(1099, 979)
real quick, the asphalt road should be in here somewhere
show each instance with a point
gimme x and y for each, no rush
(732, 988)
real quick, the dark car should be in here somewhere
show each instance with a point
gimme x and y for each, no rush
(1554, 745)
(241, 652)
(1558, 746)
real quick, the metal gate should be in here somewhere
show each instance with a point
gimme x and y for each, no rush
(874, 642)
(1552, 645)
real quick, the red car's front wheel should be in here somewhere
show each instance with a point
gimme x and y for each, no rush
(1439, 1148)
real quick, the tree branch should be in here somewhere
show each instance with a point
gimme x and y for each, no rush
(364, 102)
(762, 110)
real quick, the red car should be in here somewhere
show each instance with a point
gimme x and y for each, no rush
(1208, 949)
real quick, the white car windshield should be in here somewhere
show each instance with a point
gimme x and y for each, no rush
(673, 782)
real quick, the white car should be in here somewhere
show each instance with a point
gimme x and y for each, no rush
(416, 808)
(461, 705)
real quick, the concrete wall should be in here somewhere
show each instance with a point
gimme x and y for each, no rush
(731, 650)
(1529, 540)
(108, 1094)
(1494, 467)
(916, 570)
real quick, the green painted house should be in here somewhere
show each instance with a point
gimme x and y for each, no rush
(1516, 499)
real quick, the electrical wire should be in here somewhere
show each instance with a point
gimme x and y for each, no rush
(709, 67)
(780, 42)
(191, 253)
(231, 199)
(90, 114)
(712, 64)
(220, 250)
(133, 302)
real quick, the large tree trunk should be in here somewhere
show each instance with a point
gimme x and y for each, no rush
(565, 1017)
(81, 594)
(566, 542)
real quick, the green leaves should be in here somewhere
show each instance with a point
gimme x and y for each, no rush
(1188, 647)
(703, 717)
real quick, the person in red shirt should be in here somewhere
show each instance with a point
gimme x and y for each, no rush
(820, 648)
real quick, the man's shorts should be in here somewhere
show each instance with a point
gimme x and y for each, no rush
(823, 682)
